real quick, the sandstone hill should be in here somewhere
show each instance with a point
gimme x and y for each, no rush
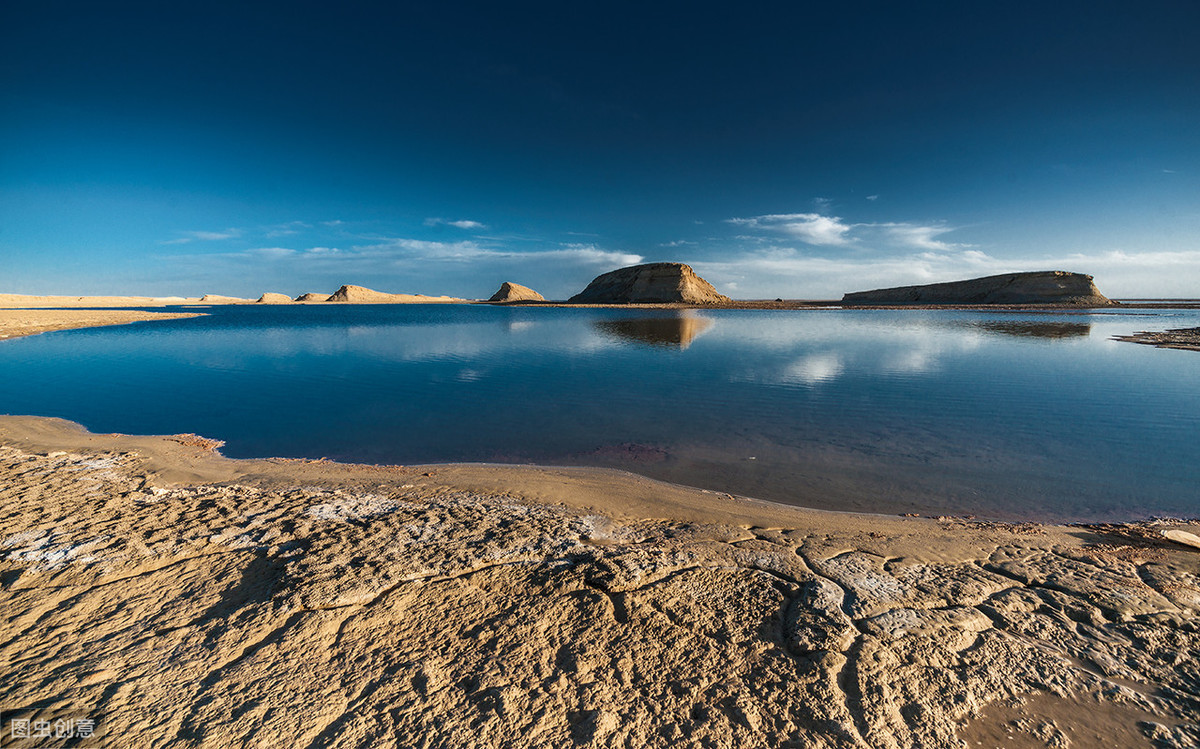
(218, 299)
(650, 283)
(273, 298)
(515, 292)
(1038, 287)
(362, 295)
(312, 297)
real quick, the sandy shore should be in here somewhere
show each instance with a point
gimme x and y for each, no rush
(199, 601)
(20, 322)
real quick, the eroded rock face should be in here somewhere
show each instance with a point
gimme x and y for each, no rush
(231, 614)
(272, 298)
(515, 292)
(1039, 287)
(651, 283)
(312, 297)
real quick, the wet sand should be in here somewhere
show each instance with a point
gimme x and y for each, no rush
(200, 601)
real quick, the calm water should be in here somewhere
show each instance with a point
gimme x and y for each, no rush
(1000, 415)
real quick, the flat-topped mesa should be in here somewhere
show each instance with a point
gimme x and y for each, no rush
(515, 292)
(1037, 287)
(363, 295)
(219, 299)
(653, 283)
(273, 298)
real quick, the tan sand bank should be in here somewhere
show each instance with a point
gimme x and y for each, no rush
(25, 301)
(21, 322)
(200, 601)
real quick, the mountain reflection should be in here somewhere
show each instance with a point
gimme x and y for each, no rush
(1034, 329)
(672, 332)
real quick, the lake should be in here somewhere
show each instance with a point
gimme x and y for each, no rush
(999, 415)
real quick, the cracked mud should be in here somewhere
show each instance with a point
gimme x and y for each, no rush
(199, 601)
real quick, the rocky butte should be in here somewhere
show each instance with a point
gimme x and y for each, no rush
(515, 292)
(1038, 287)
(653, 283)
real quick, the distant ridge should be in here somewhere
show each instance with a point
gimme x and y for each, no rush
(218, 299)
(362, 295)
(1037, 287)
(653, 283)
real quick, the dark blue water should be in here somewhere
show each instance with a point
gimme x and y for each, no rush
(1010, 415)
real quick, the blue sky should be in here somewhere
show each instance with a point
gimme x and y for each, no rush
(783, 149)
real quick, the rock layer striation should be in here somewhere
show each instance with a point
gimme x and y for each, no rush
(1039, 287)
(653, 283)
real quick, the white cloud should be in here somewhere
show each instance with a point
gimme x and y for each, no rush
(810, 228)
(204, 236)
(872, 197)
(271, 253)
(288, 229)
(458, 224)
(831, 231)
(918, 236)
(404, 248)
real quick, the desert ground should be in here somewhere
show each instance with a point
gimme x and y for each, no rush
(194, 600)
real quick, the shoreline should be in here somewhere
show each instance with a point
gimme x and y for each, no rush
(221, 601)
(17, 323)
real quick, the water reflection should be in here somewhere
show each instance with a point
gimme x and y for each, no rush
(672, 332)
(944, 411)
(1034, 329)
